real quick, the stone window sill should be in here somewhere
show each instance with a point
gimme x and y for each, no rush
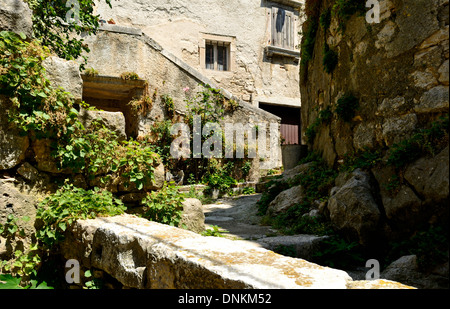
(273, 50)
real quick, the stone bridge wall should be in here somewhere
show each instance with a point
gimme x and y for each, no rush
(143, 254)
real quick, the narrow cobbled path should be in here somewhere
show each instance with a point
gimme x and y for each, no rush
(237, 215)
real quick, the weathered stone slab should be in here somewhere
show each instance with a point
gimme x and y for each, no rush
(144, 254)
(16, 16)
(65, 74)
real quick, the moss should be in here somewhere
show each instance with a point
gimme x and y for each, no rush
(330, 59)
(346, 107)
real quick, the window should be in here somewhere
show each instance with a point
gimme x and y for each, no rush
(283, 28)
(217, 55)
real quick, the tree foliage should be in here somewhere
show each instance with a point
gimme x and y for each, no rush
(58, 24)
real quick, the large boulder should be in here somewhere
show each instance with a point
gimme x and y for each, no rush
(429, 177)
(16, 16)
(406, 270)
(353, 209)
(285, 200)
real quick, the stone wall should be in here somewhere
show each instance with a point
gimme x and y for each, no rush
(398, 71)
(181, 27)
(142, 254)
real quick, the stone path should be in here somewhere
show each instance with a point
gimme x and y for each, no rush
(237, 215)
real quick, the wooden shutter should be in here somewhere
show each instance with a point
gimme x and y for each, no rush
(283, 28)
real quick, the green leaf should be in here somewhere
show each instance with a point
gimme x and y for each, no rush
(87, 274)
(10, 282)
(62, 225)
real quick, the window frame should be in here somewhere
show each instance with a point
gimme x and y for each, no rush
(216, 63)
(208, 39)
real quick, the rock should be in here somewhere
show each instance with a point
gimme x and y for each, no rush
(15, 201)
(143, 254)
(353, 208)
(16, 16)
(444, 73)
(433, 101)
(44, 159)
(193, 217)
(66, 74)
(290, 174)
(28, 172)
(406, 270)
(364, 136)
(396, 129)
(304, 245)
(429, 177)
(391, 105)
(285, 200)
(436, 38)
(12, 145)
(114, 121)
(403, 207)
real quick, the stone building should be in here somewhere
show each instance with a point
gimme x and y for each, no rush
(248, 48)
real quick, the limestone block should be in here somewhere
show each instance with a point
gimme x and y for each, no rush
(44, 159)
(406, 270)
(19, 203)
(364, 136)
(353, 208)
(16, 16)
(193, 217)
(114, 121)
(436, 38)
(434, 100)
(12, 144)
(285, 200)
(429, 177)
(27, 171)
(65, 74)
(396, 129)
(143, 254)
(391, 106)
(444, 73)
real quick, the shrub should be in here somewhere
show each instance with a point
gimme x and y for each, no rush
(424, 142)
(58, 211)
(346, 107)
(129, 76)
(164, 206)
